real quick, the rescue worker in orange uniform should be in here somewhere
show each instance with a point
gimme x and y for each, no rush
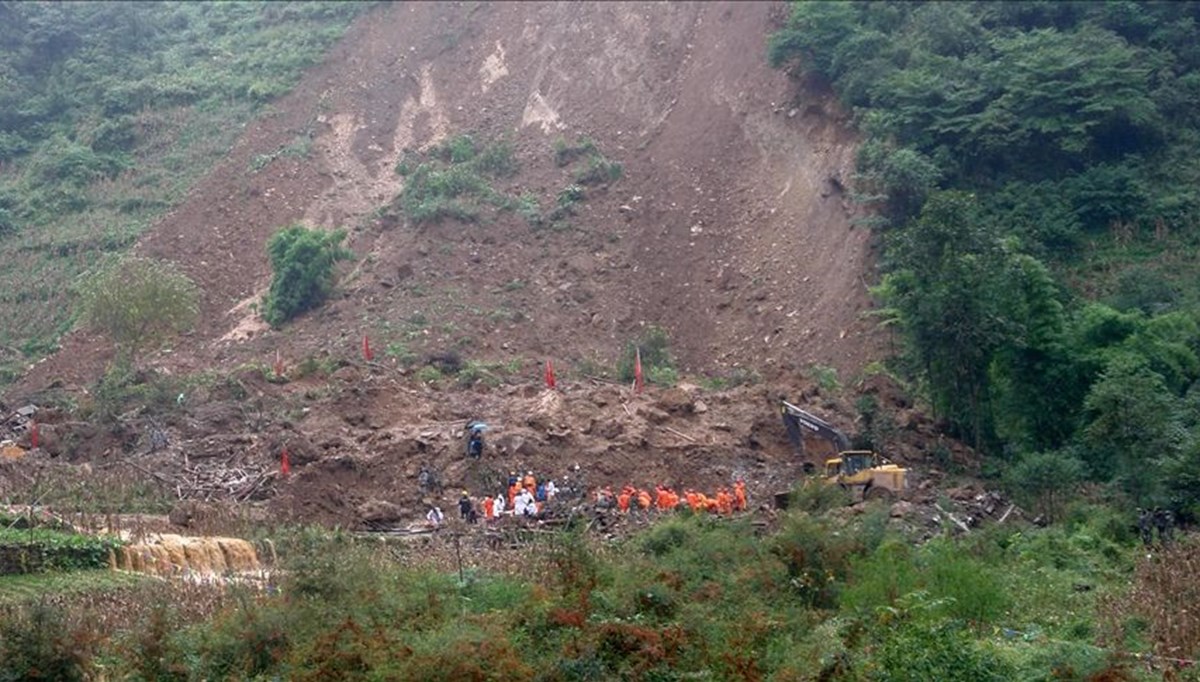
(724, 501)
(623, 501)
(662, 498)
(489, 508)
(739, 495)
(530, 482)
(643, 500)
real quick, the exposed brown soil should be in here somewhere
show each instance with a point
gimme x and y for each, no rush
(729, 229)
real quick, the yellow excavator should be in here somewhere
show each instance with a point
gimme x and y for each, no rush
(860, 471)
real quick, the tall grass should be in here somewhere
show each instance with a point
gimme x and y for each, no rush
(815, 597)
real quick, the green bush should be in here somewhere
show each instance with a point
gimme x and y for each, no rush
(914, 645)
(138, 303)
(656, 357)
(566, 152)
(816, 557)
(599, 171)
(452, 181)
(36, 643)
(302, 260)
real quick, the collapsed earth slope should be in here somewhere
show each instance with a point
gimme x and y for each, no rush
(728, 229)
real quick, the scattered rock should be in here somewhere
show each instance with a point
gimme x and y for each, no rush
(675, 401)
(379, 511)
(656, 416)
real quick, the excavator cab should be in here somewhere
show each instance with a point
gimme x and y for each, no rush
(858, 470)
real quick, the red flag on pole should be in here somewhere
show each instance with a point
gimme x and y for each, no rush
(278, 364)
(285, 464)
(550, 382)
(33, 434)
(637, 371)
(367, 349)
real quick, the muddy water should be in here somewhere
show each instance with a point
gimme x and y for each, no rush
(173, 555)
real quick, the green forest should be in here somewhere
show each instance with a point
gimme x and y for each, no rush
(109, 111)
(1035, 173)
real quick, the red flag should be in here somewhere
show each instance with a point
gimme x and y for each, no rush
(367, 349)
(550, 382)
(637, 371)
(33, 434)
(285, 464)
(278, 364)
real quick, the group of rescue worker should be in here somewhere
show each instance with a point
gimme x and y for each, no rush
(665, 499)
(523, 496)
(526, 497)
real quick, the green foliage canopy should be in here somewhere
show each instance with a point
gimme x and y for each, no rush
(139, 302)
(1002, 136)
(302, 260)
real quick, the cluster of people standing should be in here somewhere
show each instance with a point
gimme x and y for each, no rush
(1150, 520)
(523, 496)
(665, 499)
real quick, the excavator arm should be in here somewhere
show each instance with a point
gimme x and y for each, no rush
(797, 421)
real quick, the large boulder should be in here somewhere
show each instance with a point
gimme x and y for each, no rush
(379, 511)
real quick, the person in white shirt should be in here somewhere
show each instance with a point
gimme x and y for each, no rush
(435, 517)
(525, 505)
(499, 505)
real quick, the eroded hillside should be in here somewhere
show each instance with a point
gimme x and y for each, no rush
(728, 227)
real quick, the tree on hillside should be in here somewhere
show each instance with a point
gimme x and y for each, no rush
(138, 303)
(1045, 481)
(947, 287)
(1036, 386)
(303, 261)
(1134, 426)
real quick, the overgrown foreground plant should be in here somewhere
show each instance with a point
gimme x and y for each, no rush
(833, 597)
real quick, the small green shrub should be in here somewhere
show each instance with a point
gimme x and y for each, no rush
(817, 559)
(599, 171)
(529, 208)
(565, 152)
(826, 377)
(656, 357)
(568, 197)
(139, 302)
(302, 260)
(473, 372)
(451, 182)
(815, 496)
(429, 374)
(914, 645)
(458, 149)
